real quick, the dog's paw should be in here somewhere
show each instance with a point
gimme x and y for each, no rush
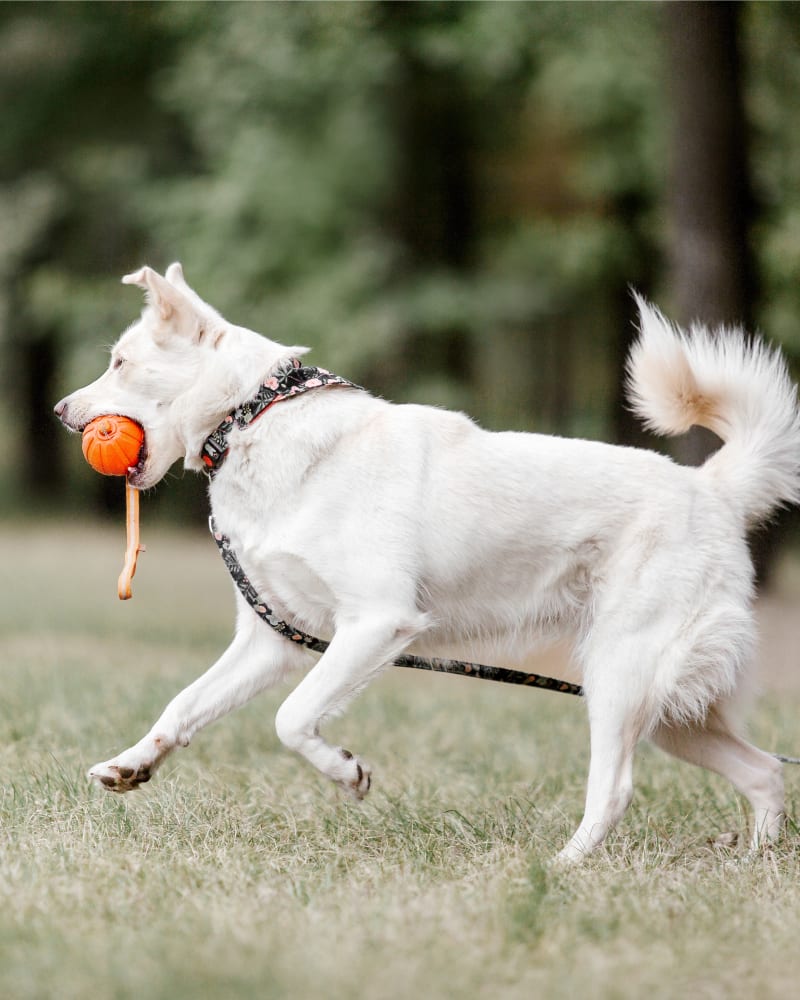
(568, 857)
(116, 777)
(563, 861)
(358, 776)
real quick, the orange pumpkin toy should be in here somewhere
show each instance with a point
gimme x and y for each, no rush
(112, 445)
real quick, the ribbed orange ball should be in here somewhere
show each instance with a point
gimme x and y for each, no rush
(112, 444)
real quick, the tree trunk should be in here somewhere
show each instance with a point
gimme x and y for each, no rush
(710, 201)
(41, 465)
(432, 210)
(711, 205)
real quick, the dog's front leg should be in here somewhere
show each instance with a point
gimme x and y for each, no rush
(357, 653)
(256, 659)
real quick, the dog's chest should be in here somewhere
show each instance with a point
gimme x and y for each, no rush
(272, 531)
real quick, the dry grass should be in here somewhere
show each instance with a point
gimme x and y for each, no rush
(239, 873)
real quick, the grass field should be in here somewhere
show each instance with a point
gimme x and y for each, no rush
(238, 872)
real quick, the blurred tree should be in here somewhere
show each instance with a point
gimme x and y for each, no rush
(338, 148)
(432, 203)
(577, 227)
(79, 134)
(772, 33)
(712, 209)
(710, 199)
(450, 199)
(427, 190)
(285, 107)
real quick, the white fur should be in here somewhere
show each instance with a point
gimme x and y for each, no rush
(389, 528)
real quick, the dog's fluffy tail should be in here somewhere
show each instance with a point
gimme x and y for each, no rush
(735, 386)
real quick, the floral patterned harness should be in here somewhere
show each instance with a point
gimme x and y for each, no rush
(290, 379)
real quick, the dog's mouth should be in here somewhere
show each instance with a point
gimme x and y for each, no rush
(136, 472)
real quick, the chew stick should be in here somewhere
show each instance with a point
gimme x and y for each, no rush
(133, 547)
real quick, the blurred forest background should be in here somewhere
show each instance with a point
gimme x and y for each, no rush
(448, 201)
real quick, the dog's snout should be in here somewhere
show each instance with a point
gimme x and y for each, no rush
(66, 413)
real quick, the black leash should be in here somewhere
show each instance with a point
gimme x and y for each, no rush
(296, 635)
(290, 380)
(460, 667)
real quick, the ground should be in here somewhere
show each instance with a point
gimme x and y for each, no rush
(238, 872)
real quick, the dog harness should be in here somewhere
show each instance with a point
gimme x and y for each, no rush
(291, 379)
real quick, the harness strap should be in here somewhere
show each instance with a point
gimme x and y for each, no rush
(250, 594)
(296, 635)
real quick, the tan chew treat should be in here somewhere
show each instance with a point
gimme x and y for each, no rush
(133, 547)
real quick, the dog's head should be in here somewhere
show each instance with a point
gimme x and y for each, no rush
(176, 371)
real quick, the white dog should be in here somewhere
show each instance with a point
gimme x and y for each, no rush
(391, 528)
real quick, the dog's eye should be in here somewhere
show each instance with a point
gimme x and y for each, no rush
(117, 363)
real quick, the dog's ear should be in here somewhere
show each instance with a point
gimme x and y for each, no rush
(161, 295)
(174, 275)
(165, 298)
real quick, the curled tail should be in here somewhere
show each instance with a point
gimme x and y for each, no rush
(735, 386)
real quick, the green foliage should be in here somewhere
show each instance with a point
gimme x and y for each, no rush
(283, 105)
(81, 133)
(425, 193)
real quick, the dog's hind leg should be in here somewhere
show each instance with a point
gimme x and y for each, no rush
(616, 725)
(617, 674)
(357, 653)
(752, 772)
(256, 659)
